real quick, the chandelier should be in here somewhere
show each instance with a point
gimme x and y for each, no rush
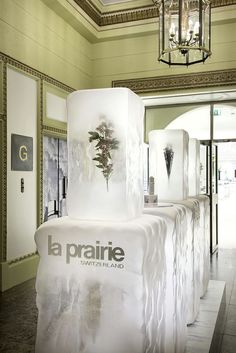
(184, 31)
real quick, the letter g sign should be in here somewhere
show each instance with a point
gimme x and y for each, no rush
(21, 152)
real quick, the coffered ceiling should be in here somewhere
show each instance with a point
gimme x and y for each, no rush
(110, 12)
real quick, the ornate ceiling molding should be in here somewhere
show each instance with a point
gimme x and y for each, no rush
(116, 17)
(129, 15)
(173, 82)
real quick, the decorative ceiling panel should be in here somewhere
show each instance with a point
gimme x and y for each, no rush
(129, 14)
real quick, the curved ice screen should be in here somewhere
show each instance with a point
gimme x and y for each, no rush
(168, 161)
(105, 132)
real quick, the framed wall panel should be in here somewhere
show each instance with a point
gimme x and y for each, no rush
(18, 267)
(54, 107)
(22, 116)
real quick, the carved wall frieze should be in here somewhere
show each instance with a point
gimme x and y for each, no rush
(173, 82)
(131, 14)
(4, 166)
(54, 130)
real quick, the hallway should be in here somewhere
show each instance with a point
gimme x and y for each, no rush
(18, 313)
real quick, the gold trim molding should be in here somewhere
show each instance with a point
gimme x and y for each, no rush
(130, 14)
(18, 259)
(53, 130)
(31, 71)
(4, 166)
(173, 82)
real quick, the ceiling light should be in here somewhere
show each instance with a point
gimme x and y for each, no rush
(184, 31)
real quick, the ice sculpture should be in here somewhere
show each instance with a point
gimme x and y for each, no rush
(101, 286)
(190, 209)
(105, 133)
(177, 244)
(204, 237)
(194, 167)
(168, 163)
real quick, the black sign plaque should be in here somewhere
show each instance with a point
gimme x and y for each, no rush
(21, 152)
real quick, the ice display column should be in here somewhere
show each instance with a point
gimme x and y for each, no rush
(168, 161)
(101, 286)
(102, 272)
(105, 133)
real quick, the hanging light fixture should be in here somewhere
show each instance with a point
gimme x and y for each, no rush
(185, 32)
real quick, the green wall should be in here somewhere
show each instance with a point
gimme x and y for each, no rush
(33, 34)
(58, 46)
(136, 56)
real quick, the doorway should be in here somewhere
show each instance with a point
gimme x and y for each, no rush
(212, 121)
(227, 194)
(54, 177)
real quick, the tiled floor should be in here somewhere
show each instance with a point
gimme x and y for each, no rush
(18, 313)
(223, 267)
(18, 317)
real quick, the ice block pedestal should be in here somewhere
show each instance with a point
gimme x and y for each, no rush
(194, 167)
(190, 209)
(168, 161)
(177, 260)
(101, 286)
(105, 136)
(101, 281)
(204, 242)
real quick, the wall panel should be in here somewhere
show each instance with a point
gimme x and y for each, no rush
(21, 207)
(136, 57)
(33, 34)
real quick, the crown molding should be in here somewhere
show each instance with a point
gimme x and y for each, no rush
(130, 14)
(173, 82)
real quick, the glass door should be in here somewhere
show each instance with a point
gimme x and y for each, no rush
(209, 186)
(54, 177)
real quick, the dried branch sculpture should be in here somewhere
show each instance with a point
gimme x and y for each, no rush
(169, 156)
(105, 144)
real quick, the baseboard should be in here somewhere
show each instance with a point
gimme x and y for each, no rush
(12, 274)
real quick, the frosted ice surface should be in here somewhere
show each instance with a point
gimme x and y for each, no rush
(168, 161)
(105, 134)
(191, 219)
(88, 304)
(194, 167)
(176, 285)
(204, 238)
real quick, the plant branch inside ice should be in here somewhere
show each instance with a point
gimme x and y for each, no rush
(105, 144)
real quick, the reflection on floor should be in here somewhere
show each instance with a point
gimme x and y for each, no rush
(226, 212)
(18, 313)
(204, 335)
(223, 267)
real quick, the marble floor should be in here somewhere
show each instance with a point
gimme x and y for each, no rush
(18, 313)
(223, 267)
